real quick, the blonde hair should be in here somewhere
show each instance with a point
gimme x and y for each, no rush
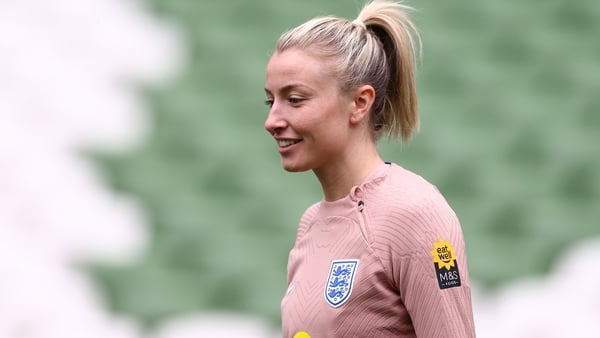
(377, 49)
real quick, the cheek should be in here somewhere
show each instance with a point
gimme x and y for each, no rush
(307, 123)
(331, 136)
(324, 121)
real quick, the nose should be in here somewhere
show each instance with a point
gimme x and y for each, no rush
(275, 121)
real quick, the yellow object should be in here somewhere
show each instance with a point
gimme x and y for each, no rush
(443, 254)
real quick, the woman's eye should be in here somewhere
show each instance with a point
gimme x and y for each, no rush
(295, 100)
(269, 103)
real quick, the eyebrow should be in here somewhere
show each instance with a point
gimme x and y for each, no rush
(288, 88)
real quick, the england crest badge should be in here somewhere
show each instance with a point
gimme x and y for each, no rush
(340, 281)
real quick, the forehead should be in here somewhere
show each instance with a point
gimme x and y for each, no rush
(297, 66)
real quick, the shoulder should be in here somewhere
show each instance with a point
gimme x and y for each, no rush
(307, 219)
(410, 220)
(403, 192)
(409, 209)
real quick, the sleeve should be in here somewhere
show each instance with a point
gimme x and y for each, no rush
(427, 263)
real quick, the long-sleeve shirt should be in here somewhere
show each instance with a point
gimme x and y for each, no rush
(388, 260)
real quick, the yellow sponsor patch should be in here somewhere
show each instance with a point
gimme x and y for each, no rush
(302, 334)
(444, 261)
(443, 254)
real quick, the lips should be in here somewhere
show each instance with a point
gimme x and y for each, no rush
(284, 143)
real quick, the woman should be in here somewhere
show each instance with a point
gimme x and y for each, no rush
(382, 255)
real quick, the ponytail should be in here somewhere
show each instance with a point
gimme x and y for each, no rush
(390, 23)
(377, 49)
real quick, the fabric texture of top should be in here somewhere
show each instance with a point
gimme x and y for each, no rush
(388, 260)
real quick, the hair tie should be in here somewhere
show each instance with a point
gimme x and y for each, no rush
(359, 23)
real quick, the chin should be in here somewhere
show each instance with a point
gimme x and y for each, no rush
(294, 168)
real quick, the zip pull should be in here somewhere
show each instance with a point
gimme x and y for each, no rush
(361, 205)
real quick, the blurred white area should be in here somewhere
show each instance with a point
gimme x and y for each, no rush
(217, 324)
(564, 303)
(43, 297)
(67, 75)
(68, 70)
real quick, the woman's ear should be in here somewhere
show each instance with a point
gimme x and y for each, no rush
(362, 103)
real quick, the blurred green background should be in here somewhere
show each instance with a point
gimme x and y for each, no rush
(509, 97)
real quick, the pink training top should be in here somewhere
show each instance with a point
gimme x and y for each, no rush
(388, 260)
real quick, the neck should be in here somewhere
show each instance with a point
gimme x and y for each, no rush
(338, 178)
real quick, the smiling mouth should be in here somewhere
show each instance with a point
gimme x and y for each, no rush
(287, 143)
